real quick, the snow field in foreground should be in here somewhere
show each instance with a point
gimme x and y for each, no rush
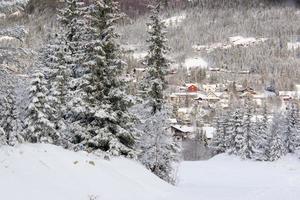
(35, 172)
(230, 178)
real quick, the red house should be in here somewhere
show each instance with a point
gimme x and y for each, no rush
(192, 88)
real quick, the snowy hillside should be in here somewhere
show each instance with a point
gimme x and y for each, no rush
(34, 172)
(51, 173)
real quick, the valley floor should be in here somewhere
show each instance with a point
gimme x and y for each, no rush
(34, 172)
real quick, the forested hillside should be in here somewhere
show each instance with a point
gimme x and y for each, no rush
(166, 84)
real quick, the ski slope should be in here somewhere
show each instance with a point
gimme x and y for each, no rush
(35, 172)
(229, 178)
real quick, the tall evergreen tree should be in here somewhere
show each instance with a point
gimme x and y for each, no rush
(263, 134)
(156, 62)
(73, 35)
(235, 133)
(276, 147)
(160, 152)
(292, 127)
(9, 121)
(58, 76)
(250, 147)
(108, 126)
(220, 143)
(38, 126)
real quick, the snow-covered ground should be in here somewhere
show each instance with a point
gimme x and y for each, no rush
(232, 42)
(229, 178)
(34, 172)
(194, 63)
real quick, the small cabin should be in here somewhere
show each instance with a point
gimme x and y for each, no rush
(182, 132)
(192, 88)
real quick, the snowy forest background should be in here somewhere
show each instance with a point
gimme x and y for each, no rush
(66, 81)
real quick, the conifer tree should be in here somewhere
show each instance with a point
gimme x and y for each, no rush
(292, 128)
(9, 121)
(107, 124)
(156, 62)
(249, 149)
(160, 152)
(3, 137)
(276, 147)
(235, 133)
(263, 134)
(73, 35)
(38, 127)
(219, 143)
(73, 23)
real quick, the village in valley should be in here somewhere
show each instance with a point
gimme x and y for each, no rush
(198, 93)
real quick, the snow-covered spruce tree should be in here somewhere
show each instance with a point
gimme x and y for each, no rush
(156, 62)
(263, 134)
(236, 137)
(250, 145)
(73, 32)
(108, 126)
(38, 127)
(3, 137)
(276, 147)
(9, 121)
(159, 152)
(292, 127)
(73, 23)
(57, 97)
(219, 143)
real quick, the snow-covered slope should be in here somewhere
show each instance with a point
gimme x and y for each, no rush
(229, 178)
(35, 172)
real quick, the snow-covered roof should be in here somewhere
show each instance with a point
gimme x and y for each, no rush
(139, 55)
(175, 20)
(6, 38)
(173, 120)
(212, 96)
(185, 110)
(207, 96)
(210, 86)
(221, 94)
(190, 84)
(139, 69)
(289, 93)
(201, 96)
(184, 128)
(185, 93)
(263, 95)
(293, 45)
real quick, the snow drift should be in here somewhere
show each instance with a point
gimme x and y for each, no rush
(34, 172)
